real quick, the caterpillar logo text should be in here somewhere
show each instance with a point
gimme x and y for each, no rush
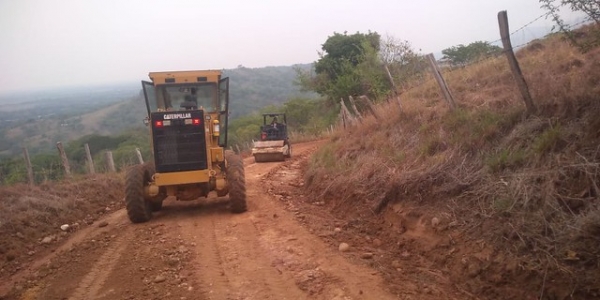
(177, 116)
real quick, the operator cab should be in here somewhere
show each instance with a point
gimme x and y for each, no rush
(189, 90)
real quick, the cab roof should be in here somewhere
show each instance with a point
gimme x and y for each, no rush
(179, 77)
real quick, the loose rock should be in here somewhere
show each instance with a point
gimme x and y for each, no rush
(344, 247)
(377, 243)
(435, 222)
(103, 224)
(159, 279)
(64, 227)
(367, 255)
(47, 240)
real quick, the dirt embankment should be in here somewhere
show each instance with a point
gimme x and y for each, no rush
(497, 203)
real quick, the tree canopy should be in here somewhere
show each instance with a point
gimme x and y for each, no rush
(348, 65)
(462, 55)
(591, 8)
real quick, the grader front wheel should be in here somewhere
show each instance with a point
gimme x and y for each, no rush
(236, 180)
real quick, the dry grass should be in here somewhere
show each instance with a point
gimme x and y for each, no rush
(29, 214)
(534, 179)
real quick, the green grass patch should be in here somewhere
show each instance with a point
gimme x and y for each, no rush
(506, 159)
(473, 130)
(550, 140)
(394, 155)
(324, 157)
(502, 204)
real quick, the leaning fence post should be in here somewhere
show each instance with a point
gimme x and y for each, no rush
(139, 155)
(371, 106)
(63, 157)
(342, 117)
(90, 162)
(514, 64)
(29, 167)
(354, 107)
(347, 113)
(110, 163)
(440, 80)
(393, 84)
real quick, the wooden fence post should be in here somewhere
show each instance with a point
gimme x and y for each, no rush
(371, 106)
(110, 163)
(354, 107)
(514, 64)
(347, 114)
(90, 162)
(393, 84)
(342, 117)
(29, 167)
(440, 80)
(63, 157)
(139, 155)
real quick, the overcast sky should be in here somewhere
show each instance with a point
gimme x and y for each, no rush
(50, 43)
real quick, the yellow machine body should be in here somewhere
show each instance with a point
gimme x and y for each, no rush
(163, 94)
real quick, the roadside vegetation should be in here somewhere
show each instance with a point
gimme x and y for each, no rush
(486, 177)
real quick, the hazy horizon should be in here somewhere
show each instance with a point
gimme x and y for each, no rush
(66, 43)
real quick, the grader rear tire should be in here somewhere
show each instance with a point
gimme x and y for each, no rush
(156, 206)
(236, 180)
(138, 209)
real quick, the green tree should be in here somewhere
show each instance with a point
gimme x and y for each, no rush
(308, 115)
(589, 7)
(12, 171)
(402, 60)
(348, 65)
(461, 55)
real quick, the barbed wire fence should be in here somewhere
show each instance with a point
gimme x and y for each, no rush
(447, 70)
(63, 167)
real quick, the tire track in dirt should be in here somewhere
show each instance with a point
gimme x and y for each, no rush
(77, 238)
(231, 261)
(318, 270)
(266, 281)
(208, 262)
(93, 281)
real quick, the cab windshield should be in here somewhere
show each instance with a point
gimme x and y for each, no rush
(187, 97)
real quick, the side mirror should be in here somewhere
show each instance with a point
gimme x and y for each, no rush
(146, 121)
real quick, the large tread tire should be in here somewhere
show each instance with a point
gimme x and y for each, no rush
(236, 180)
(156, 206)
(138, 209)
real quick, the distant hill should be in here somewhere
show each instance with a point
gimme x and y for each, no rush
(253, 88)
(38, 120)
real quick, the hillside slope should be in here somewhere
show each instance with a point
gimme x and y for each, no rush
(42, 119)
(501, 204)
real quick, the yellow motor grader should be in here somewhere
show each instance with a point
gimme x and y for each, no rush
(187, 115)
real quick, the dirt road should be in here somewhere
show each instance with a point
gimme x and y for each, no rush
(199, 250)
